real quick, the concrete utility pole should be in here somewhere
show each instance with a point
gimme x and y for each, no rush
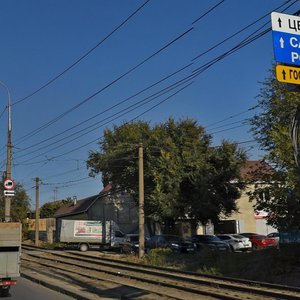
(37, 210)
(141, 203)
(7, 208)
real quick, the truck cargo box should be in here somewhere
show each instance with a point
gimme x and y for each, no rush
(10, 249)
(88, 231)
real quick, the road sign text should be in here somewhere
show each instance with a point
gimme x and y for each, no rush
(288, 74)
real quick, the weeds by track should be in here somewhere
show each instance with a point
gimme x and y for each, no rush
(165, 282)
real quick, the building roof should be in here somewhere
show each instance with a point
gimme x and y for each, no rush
(82, 205)
(256, 170)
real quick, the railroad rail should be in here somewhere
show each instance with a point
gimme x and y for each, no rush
(165, 282)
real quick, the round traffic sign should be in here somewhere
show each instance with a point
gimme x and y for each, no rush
(9, 184)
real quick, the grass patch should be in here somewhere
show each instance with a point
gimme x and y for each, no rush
(274, 266)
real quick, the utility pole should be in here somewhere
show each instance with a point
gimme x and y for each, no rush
(7, 207)
(141, 203)
(37, 210)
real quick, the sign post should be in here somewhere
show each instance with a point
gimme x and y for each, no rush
(9, 184)
(8, 187)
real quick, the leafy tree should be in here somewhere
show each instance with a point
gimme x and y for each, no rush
(211, 189)
(20, 204)
(184, 175)
(271, 127)
(49, 209)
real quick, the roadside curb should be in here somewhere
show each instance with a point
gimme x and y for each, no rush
(53, 287)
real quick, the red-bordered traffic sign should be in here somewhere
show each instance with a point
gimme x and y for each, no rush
(9, 184)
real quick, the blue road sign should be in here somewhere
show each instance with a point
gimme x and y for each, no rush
(286, 47)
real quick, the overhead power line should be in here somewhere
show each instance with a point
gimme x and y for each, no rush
(204, 67)
(112, 107)
(241, 30)
(233, 116)
(59, 117)
(164, 100)
(83, 56)
(242, 44)
(34, 132)
(207, 12)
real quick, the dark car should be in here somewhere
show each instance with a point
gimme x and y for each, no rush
(130, 244)
(172, 242)
(209, 241)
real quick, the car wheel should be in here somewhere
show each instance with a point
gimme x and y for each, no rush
(83, 247)
(4, 292)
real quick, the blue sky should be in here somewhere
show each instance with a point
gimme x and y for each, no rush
(55, 128)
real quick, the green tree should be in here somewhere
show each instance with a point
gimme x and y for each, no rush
(271, 127)
(178, 158)
(20, 204)
(49, 209)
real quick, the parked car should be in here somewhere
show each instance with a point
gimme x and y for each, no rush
(130, 244)
(260, 242)
(248, 234)
(236, 242)
(172, 242)
(207, 241)
(274, 235)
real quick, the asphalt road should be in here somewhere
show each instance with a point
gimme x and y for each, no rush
(28, 290)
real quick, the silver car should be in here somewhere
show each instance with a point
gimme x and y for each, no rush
(236, 242)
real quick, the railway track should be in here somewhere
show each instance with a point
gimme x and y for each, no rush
(100, 273)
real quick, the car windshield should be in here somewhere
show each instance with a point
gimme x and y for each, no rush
(261, 237)
(237, 236)
(134, 238)
(223, 237)
(171, 238)
(206, 238)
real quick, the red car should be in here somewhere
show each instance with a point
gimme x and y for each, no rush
(260, 242)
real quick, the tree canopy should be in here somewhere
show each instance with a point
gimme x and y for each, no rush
(272, 129)
(20, 204)
(184, 175)
(49, 209)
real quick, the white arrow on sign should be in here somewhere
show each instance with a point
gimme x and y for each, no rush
(281, 42)
(285, 23)
(9, 193)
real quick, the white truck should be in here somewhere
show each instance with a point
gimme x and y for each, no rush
(10, 252)
(88, 233)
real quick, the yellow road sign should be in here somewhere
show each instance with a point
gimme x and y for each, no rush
(288, 74)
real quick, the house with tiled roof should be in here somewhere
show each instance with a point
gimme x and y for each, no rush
(247, 219)
(108, 205)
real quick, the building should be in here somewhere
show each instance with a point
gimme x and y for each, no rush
(106, 206)
(247, 219)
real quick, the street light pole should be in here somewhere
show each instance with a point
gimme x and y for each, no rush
(8, 162)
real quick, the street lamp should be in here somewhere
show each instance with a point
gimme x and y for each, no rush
(8, 162)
